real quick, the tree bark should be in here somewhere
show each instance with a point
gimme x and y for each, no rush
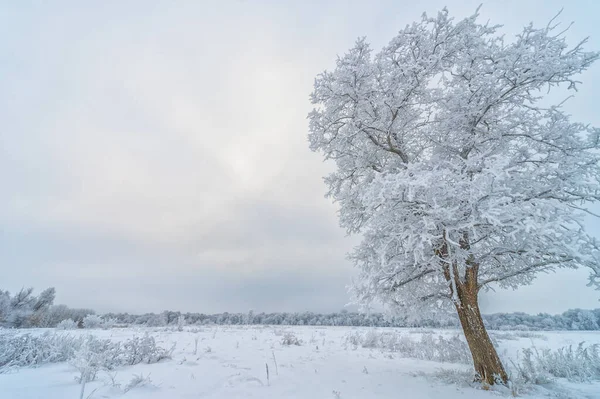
(488, 367)
(465, 290)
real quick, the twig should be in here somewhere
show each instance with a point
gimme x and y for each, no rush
(275, 361)
(267, 368)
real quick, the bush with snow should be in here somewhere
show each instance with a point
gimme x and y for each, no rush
(581, 364)
(92, 321)
(96, 354)
(93, 355)
(87, 354)
(67, 324)
(290, 339)
(108, 322)
(20, 350)
(138, 380)
(144, 350)
(440, 349)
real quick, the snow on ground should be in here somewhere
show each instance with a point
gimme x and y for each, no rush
(231, 361)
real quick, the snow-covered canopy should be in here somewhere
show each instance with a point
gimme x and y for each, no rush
(446, 157)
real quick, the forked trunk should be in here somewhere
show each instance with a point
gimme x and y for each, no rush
(488, 367)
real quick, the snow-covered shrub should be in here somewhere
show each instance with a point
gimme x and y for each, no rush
(94, 355)
(88, 354)
(20, 350)
(371, 339)
(451, 350)
(354, 339)
(528, 371)
(580, 365)
(460, 377)
(138, 380)
(108, 323)
(290, 339)
(144, 350)
(448, 350)
(92, 321)
(67, 324)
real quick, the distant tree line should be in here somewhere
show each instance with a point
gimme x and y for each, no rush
(25, 310)
(573, 319)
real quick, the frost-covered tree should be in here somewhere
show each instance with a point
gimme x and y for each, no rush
(25, 310)
(5, 307)
(159, 320)
(40, 307)
(44, 300)
(453, 169)
(21, 307)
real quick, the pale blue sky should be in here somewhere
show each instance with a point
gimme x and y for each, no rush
(153, 155)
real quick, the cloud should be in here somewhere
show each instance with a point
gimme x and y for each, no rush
(155, 157)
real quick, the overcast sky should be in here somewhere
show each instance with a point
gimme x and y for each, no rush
(153, 155)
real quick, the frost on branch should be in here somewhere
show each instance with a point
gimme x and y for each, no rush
(448, 164)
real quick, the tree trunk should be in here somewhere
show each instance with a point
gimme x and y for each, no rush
(488, 367)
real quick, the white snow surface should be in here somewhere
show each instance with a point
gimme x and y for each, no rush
(230, 363)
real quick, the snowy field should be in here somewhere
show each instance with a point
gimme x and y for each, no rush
(329, 363)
